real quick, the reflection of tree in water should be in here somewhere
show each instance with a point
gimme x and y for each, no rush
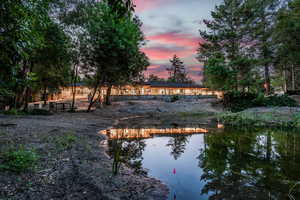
(127, 152)
(250, 165)
(177, 144)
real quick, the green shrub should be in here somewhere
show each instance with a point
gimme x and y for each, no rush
(280, 100)
(238, 101)
(18, 160)
(175, 98)
(65, 142)
(39, 112)
(13, 111)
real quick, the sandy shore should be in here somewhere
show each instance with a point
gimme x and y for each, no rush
(80, 168)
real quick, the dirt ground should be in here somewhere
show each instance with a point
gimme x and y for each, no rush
(80, 168)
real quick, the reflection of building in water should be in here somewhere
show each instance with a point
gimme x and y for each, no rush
(128, 133)
(145, 89)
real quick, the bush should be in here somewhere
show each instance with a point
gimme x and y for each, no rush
(65, 142)
(18, 160)
(175, 98)
(238, 101)
(280, 100)
(13, 111)
(39, 112)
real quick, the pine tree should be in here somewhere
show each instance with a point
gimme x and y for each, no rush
(177, 71)
(263, 26)
(227, 38)
(287, 38)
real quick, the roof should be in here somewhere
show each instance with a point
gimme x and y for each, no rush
(172, 84)
(157, 84)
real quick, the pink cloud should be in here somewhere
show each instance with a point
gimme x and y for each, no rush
(159, 53)
(142, 5)
(180, 39)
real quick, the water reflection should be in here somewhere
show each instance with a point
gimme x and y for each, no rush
(138, 133)
(228, 164)
(262, 164)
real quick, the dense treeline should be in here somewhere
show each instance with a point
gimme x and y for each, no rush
(47, 44)
(252, 46)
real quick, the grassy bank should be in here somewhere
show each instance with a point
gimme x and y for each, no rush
(286, 117)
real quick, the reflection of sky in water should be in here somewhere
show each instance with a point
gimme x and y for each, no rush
(186, 182)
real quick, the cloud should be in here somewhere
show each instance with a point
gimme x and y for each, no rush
(165, 53)
(142, 5)
(180, 39)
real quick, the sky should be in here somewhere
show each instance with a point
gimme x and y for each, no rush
(172, 27)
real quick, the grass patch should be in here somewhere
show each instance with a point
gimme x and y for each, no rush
(66, 142)
(18, 160)
(266, 119)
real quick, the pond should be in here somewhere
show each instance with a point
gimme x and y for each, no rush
(213, 163)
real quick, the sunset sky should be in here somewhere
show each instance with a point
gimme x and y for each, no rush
(171, 27)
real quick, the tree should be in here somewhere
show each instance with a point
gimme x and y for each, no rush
(263, 26)
(22, 24)
(111, 48)
(51, 62)
(177, 71)
(287, 49)
(227, 38)
(154, 78)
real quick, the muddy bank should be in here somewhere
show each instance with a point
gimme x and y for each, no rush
(73, 163)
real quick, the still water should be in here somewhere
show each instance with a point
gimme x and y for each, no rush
(200, 163)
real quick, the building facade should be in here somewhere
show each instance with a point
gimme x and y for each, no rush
(146, 89)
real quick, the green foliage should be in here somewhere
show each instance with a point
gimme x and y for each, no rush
(175, 98)
(218, 75)
(239, 48)
(39, 112)
(264, 119)
(13, 111)
(66, 141)
(278, 100)
(177, 71)
(238, 101)
(18, 160)
(286, 36)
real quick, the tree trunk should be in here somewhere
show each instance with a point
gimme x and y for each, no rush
(108, 93)
(44, 95)
(284, 81)
(75, 75)
(267, 80)
(92, 98)
(293, 78)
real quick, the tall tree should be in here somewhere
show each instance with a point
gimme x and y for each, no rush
(287, 39)
(21, 36)
(263, 26)
(177, 71)
(228, 38)
(110, 47)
